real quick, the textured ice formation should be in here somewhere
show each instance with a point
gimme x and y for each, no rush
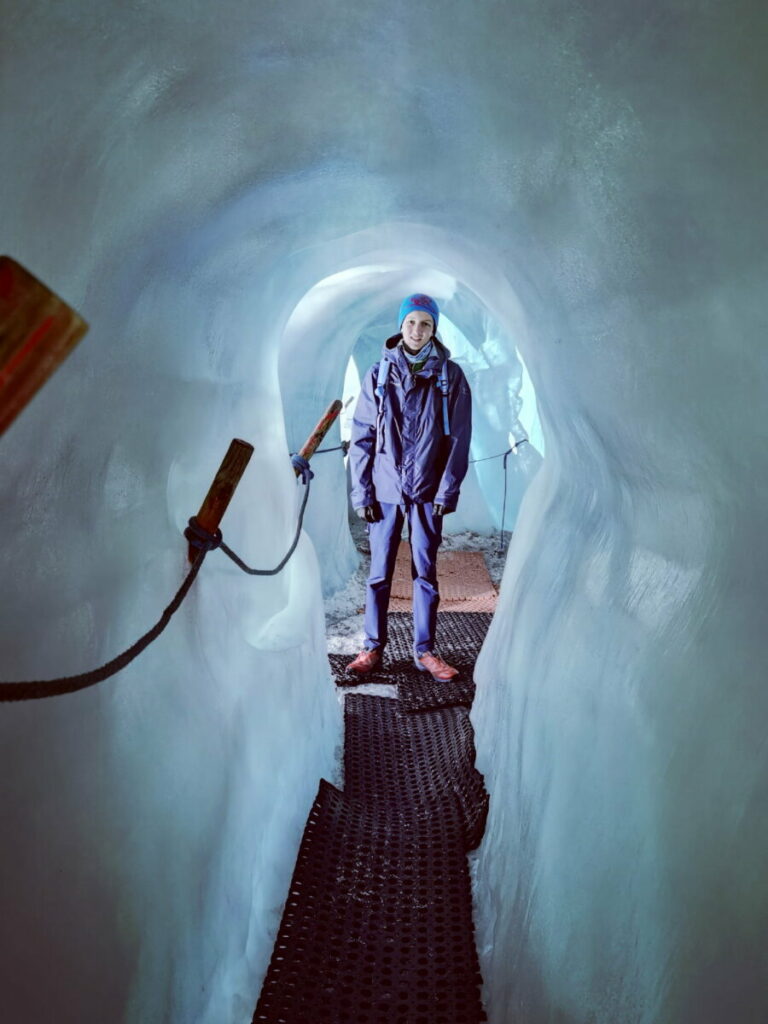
(235, 196)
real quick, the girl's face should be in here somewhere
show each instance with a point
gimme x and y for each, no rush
(417, 329)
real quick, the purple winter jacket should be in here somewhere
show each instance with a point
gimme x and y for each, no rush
(398, 449)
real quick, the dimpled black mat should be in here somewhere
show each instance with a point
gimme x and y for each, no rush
(377, 927)
(424, 763)
(426, 694)
(460, 636)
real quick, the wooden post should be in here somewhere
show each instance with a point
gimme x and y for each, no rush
(322, 428)
(37, 332)
(223, 487)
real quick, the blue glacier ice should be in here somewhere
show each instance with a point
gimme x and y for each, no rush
(236, 196)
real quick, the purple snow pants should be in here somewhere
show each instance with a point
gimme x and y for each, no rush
(424, 534)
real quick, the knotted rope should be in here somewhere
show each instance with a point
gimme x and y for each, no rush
(204, 542)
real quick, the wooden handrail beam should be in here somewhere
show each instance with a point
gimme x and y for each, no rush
(223, 487)
(324, 425)
(37, 332)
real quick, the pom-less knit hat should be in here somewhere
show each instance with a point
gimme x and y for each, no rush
(423, 303)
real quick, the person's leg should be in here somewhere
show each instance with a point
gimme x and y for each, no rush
(425, 535)
(384, 538)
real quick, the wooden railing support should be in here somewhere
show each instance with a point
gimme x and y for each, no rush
(315, 438)
(232, 468)
(223, 487)
(37, 332)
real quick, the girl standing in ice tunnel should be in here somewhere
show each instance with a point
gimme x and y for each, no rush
(409, 453)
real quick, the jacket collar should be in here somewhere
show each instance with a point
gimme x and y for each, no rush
(395, 355)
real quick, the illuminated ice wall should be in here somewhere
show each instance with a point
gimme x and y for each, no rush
(582, 183)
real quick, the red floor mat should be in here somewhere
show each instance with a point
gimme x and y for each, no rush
(462, 578)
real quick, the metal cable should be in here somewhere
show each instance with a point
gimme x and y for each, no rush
(500, 454)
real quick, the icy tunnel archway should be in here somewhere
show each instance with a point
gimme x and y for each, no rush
(183, 174)
(326, 326)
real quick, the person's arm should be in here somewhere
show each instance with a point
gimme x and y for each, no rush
(460, 416)
(362, 443)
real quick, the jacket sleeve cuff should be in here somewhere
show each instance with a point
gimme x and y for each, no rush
(362, 502)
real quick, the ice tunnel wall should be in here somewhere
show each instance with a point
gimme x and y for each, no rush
(180, 173)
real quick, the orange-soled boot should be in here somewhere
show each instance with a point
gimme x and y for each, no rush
(440, 670)
(366, 661)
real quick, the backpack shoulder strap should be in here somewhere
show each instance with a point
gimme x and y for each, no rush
(381, 378)
(443, 384)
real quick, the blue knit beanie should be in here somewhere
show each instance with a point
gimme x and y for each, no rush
(423, 303)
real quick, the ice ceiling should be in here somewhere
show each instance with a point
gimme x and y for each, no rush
(590, 176)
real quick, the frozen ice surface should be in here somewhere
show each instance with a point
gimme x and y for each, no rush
(236, 196)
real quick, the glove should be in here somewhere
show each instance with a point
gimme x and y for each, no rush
(370, 513)
(441, 510)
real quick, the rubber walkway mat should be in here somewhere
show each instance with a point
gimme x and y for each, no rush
(377, 927)
(460, 636)
(463, 580)
(425, 694)
(422, 765)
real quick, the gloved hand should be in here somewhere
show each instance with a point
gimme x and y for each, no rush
(370, 513)
(441, 510)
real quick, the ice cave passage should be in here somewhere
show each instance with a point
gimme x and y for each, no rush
(233, 195)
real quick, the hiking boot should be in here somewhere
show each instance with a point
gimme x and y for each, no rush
(440, 671)
(366, 661)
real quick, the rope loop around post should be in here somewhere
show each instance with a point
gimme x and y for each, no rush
(200, 538)
(301, 465)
